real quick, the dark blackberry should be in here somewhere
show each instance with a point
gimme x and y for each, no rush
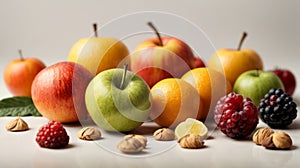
(52, 135)
(277, 109)
(237, 117)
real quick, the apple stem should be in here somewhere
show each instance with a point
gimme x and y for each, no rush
(123, 76)
(21, 55)
(156, 32)
(242, 40)
(95, 29)
(257, 72)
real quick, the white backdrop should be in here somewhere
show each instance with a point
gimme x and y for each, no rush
(48, 29)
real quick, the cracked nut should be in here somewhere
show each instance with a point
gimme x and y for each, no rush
(142, 139)
(17, 125)
(164, 134)
(191, 141)
(282, 140)
(130, 145)
(261, 134)
(89, 133)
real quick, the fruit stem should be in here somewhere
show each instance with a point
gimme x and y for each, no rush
(257, 72)
(95, 29)
(156, 32)
(123, 76)
(21, 55)
(242, 40)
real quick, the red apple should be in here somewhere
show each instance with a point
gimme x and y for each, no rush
(198, 62)
(161, 57)
(58, 92)
(19, 74)
(288, 79)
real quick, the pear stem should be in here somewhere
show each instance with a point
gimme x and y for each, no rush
(242, 40)
(123, 76)
(21, 55)
(156, 32)
(95, 29)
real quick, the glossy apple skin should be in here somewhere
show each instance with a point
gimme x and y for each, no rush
(198, 63)
(154, 63)
(234, 62)
(58, 92)
(254, 84)
(19, 74)
(99, 53)
(116, 109)
(287, 78)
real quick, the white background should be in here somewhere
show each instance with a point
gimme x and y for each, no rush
(48, 29)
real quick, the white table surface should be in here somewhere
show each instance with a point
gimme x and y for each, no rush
(19, 149)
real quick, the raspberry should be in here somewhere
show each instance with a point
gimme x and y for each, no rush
(53, 135)
(277, 109)
(237, 117)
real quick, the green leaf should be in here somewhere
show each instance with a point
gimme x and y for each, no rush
(14, 105)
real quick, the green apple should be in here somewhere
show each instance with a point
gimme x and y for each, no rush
(254, 84)
(118, 100)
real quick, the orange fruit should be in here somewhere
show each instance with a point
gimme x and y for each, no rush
(173, 101)
(210, 84)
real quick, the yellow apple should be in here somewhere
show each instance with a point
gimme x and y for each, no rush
(233, 62)
(99, 53)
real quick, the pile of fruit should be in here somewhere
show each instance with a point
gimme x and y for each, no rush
(161, 81)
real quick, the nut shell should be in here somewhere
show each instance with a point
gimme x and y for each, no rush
(89, 133)
(191, 141)
(141, 138)
(261, 134)
(164, 134)
(17, 125)
(130, 145)
(282, 140)
(268, 142)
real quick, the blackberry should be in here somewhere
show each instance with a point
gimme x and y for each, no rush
(277, 109)
(237, 117)
(52, 135)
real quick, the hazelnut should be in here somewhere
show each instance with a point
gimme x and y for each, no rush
(191, 141)
(89, 133)
(262, 133)
(268, 142)
(17, 125)
(130, 145)
(142, 139)
(282, 140)
(164, 134)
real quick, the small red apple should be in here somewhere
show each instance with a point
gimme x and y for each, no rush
(58, 92)
(288, 79)
(198, 62)
(19, 74)
(161, 57)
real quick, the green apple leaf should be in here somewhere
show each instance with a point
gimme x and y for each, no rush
(14, 106)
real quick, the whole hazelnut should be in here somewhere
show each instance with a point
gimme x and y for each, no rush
(261, 134)
(282, 140)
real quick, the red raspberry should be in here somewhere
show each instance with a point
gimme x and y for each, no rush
(52, 135)
(237, 117)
